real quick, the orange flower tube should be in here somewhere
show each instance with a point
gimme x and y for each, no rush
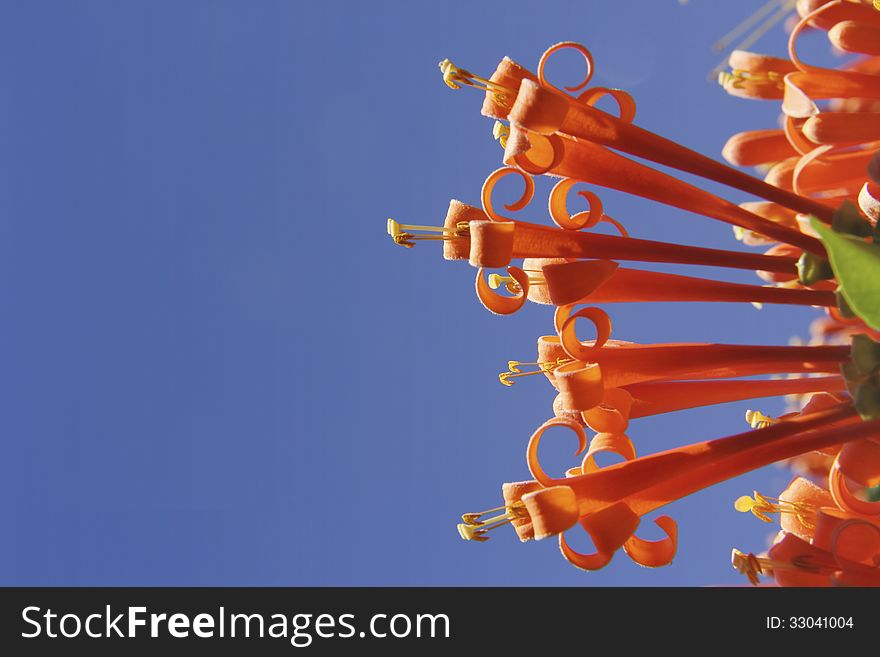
(573, 282)
(660, 397)
(491, 247)
(588, 162)
(545, 112)
(650, 482)
(623, 364)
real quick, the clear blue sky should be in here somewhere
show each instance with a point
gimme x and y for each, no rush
(215, 368)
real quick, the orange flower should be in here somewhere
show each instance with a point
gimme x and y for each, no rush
(609, 501)
(816, 160)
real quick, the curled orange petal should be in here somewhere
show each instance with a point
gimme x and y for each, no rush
(860, 462)
(559, 209)
(653, 554)
(532, 450)
(626, 104)
(585, 219)
(845, 536)
(492, 181)
(612, 414)
(616, 443)
(797, 137)
(534, 153)
(574, 347)
(498, 304)
(844, 498)
(588, 59)
(593, 561)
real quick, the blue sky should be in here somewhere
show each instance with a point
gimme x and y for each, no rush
(216, 368)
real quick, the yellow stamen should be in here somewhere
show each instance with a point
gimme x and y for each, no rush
(513, 370)
(473, 528)
(511, 284)
(738, 77)
(403, 234)
(748, 564)
(751, 566)
(757, 420)
(455, 77)
(501, 132)
(761, 506)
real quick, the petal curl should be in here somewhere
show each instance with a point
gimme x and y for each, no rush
(492, 181)
(593, 561)
(844, 498)
(532, 450)
(626, 104)
(566, 327)
(498, 304)
(612, 414)
(588, 60)
(654, 554)
(860, 461)
(616, 443)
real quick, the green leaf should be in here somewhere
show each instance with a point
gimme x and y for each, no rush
(856, 265)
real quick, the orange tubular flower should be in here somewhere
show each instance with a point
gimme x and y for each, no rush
(821, 159)
(468, 233)
(495, 244)
(610, 501)
(666, 396)
(587, 162)
(543, 109)
(601, 281)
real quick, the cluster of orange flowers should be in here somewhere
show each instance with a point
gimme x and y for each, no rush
(830, 530)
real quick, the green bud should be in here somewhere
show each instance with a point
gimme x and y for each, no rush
(865, 353)
(812, 269)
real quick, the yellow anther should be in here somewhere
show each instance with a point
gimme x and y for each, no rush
(504, 378)
(501, 132)
(757, 420)
(737, 78)
(748, 564)
(511, 284)
(404, 234)
(761, 507)
(474, 528)
(455, 77)
(514, 371)
(751, 566)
